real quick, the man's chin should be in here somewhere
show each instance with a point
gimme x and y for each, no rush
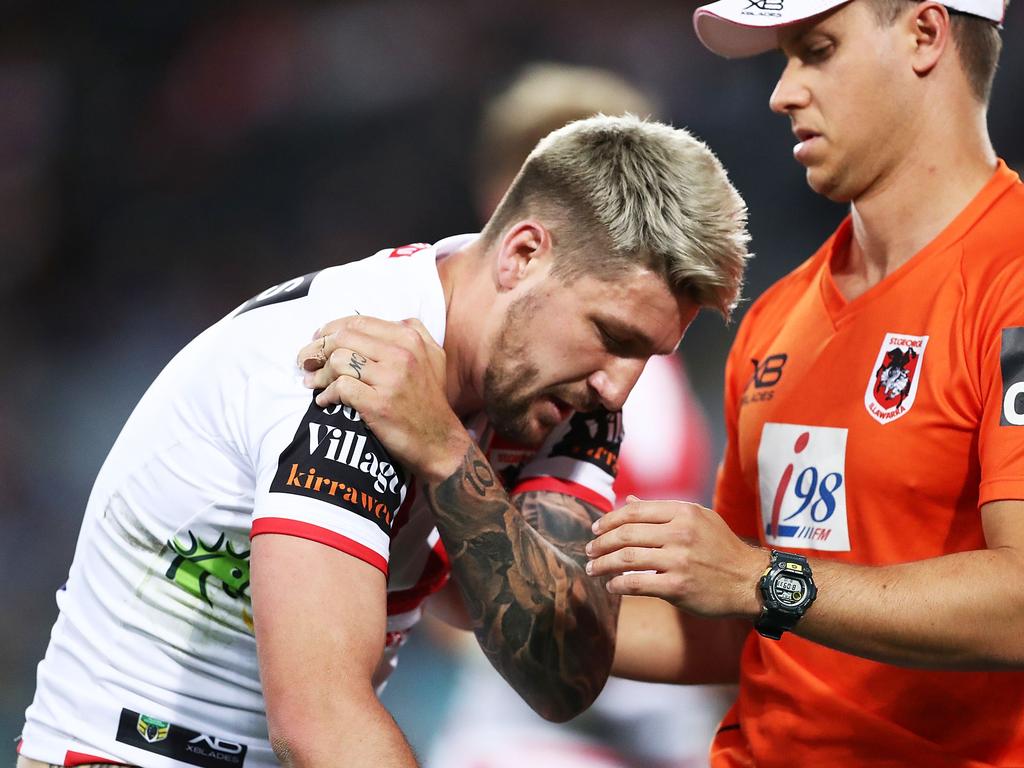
(528, 432)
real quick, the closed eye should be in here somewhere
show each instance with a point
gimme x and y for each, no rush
(817, 52)
(621, 346)
(611, 342)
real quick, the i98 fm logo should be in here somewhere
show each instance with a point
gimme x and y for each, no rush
(802, 486)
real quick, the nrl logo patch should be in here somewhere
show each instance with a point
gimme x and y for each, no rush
(892, 386)
(151, 729)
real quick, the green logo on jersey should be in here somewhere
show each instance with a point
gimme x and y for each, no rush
(197, 562)
(151, 729)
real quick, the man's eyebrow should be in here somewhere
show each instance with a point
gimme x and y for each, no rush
(628, 334)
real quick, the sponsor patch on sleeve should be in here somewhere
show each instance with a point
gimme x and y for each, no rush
(1011, 363)
(335, 458)
(594, 438)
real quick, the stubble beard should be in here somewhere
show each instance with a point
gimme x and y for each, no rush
(509, 381)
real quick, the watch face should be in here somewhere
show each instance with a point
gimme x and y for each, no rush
(789, 591)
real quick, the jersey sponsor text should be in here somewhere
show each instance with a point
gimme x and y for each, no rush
(801, 476)
(335, 458)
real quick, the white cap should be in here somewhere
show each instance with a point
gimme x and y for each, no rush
(738, 28)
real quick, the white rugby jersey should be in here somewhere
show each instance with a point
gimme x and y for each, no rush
(152, 660)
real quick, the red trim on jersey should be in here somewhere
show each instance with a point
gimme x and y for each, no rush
(434, 577)
(568, 487)
(322, 535)
(82, 758)
(408, 250)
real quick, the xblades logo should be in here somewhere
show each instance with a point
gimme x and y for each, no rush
(767, 373)
(214, 748)
(765, 5)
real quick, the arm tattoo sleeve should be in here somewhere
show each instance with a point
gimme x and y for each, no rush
(546, 626)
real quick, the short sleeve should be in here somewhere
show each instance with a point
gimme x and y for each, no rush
(324, 476)
(1000, 341)
(579, 458)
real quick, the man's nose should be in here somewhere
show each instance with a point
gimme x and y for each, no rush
(789, 93)
(615, 381)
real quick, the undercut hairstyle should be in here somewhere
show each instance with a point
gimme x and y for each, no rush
(621, 193)
(977, 40)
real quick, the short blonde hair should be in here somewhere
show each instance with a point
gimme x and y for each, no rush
(621, 192)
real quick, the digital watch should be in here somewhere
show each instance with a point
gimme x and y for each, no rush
(787, 591)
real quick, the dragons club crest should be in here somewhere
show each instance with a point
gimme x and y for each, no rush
(892, 385)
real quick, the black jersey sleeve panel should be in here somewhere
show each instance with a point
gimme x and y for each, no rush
(335, 458)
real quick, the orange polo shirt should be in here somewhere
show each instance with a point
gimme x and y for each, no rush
(872, 431)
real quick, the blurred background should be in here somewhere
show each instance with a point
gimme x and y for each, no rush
(160, 163)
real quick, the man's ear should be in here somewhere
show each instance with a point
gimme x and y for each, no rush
(931, 31)
(525, 248)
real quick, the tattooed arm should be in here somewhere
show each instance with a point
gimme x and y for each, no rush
(546, 626)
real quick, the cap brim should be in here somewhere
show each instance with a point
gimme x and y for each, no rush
(739, 28)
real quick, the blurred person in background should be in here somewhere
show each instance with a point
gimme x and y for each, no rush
(179, 642)
(666, 453)
(875, 419)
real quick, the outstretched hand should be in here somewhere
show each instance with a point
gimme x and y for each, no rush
(393, 374)
(683, 553)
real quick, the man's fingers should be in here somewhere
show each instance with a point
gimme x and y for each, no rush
(421, 330)
(356, 332)
(385, 329)
(348, 391)
(341, 362)
(313, 355)
(650, 584)
(638, 512)
(629, 559)
(370, 336)
(401, 334)
(630, 535)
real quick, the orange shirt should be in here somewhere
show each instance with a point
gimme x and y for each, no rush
(871, 431)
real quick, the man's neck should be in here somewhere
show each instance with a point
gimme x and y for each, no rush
(459, 273)
(908, 209)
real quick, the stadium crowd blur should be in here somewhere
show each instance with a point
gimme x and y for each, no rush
(160, 163)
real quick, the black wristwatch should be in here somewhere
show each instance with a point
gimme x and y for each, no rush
(787, 591)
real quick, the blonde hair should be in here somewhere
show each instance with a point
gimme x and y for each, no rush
(619, 193)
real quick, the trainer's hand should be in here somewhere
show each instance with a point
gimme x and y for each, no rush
(393, 374)
(680, 552)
